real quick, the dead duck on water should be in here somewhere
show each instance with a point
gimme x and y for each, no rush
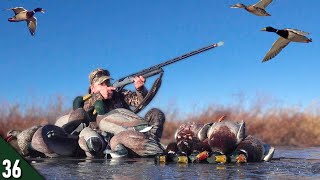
(22, 14)
(256, 9)
(225, 135)
(252, 149)
(286, 36)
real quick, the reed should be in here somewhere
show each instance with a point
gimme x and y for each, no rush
(274, 123)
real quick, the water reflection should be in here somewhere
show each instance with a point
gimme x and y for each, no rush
(288, 164)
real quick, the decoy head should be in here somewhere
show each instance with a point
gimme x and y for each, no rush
(269, 29)
(239, 5)
(39, 10)
(11, 134)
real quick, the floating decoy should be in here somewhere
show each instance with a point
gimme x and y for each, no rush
(286, 36)
(256, 9)
(22, 14)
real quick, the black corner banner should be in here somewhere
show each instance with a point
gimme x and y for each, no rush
(14, 166)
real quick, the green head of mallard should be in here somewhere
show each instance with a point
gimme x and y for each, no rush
(269, 29)
(100, 107)
(39, 10)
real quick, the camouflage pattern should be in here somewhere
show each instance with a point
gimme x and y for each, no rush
(99, 75)
(123, 99)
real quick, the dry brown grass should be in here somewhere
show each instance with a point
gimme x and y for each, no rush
(270, 121)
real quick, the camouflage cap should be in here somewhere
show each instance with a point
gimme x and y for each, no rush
(99, 76)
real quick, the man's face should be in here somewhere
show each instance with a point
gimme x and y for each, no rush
(104, 87)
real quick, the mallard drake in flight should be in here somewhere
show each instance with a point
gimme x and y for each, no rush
(22, 14)
(286, 36)
(256, 9)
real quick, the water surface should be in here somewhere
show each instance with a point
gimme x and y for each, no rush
(288, 163)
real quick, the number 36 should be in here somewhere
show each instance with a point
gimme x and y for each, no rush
(16, 171)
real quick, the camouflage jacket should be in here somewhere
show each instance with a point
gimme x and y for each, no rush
(123, 99)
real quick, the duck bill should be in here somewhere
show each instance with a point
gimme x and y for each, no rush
(221, 158)
(43, 11)
(8, 138)
(162, 159)
(183, 159)
(203, 155)
(241, 158)
(263, 29)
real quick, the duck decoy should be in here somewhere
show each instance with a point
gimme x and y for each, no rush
(121, 119)
(92, 143)
(252, 149)
(224, 136)
(286, 36)
(132, 143)
(22, 14)
(256, 9)
(22, 139)
(53, 141)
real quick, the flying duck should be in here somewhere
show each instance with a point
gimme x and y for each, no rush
(286, 36)
(22, 14)
(256, 9)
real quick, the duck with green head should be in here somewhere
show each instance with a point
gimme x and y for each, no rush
(252, 149)
(256, 9)
(22, 14)
(286, 36)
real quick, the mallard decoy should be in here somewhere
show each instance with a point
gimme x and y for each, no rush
(74, 122)
(91, 142)
(121, 119)
(22, 139)
(225, 135)
(22, 14)
(286, 36)
(53, 141)
(132, 143)
(252, 149)
(256, 9)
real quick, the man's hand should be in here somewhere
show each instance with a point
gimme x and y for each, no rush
(139, 82)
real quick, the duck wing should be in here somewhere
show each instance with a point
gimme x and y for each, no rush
(296, 31)
(32, 25)
(276, 48)
(17, 10)
(263, 3)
